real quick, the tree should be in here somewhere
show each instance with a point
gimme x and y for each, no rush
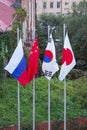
(19, 18)
(56, 24)
(7, 45)
(77, 29)
(8, 40)
(80, 9)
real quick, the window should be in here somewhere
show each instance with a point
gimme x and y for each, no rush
(44, 5)
(66, 3)
(58, 4)
(73, 3)
(51, 4)
(58, 13)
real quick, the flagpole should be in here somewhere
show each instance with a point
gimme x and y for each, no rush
(49, 105)
(48, 91)
(18, 89)
(33, 37)
(34, 103)
(64, 90)
(18, 106)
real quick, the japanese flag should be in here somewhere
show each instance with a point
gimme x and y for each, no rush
(68, 59)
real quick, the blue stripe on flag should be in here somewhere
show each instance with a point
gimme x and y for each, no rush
(20, 68)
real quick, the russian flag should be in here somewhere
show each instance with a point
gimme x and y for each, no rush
(17, 65)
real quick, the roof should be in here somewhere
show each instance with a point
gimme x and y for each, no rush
(6, 14)
(8, 2)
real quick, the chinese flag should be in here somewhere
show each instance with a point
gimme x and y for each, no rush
(33, 61)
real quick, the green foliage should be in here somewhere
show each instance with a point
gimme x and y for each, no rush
(77, 30)
(19, 18)
(42, 40)
(84, 127)
(52, 21)
(80, 9)
(7, 45)
(82, 92)
(55, 22)
(8, 42)
(75, 74)
(76, 100)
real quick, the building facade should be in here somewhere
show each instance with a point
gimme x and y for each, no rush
(35, 8)
(29, 25)
(57, 7)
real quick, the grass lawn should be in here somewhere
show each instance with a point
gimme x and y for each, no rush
(76, 100)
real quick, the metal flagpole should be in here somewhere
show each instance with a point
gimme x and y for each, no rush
(64, 90)
(18, 89)
(48, 105)
(48, 92)
(34, 103)
(33, 37)
(18, 106)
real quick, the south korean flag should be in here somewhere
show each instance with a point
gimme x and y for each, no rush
(50, 66)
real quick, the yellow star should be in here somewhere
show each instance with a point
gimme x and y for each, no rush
(35, 51)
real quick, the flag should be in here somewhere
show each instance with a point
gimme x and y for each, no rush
(68, 59)
(33, 61)
(17, 65)
(49, 66)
